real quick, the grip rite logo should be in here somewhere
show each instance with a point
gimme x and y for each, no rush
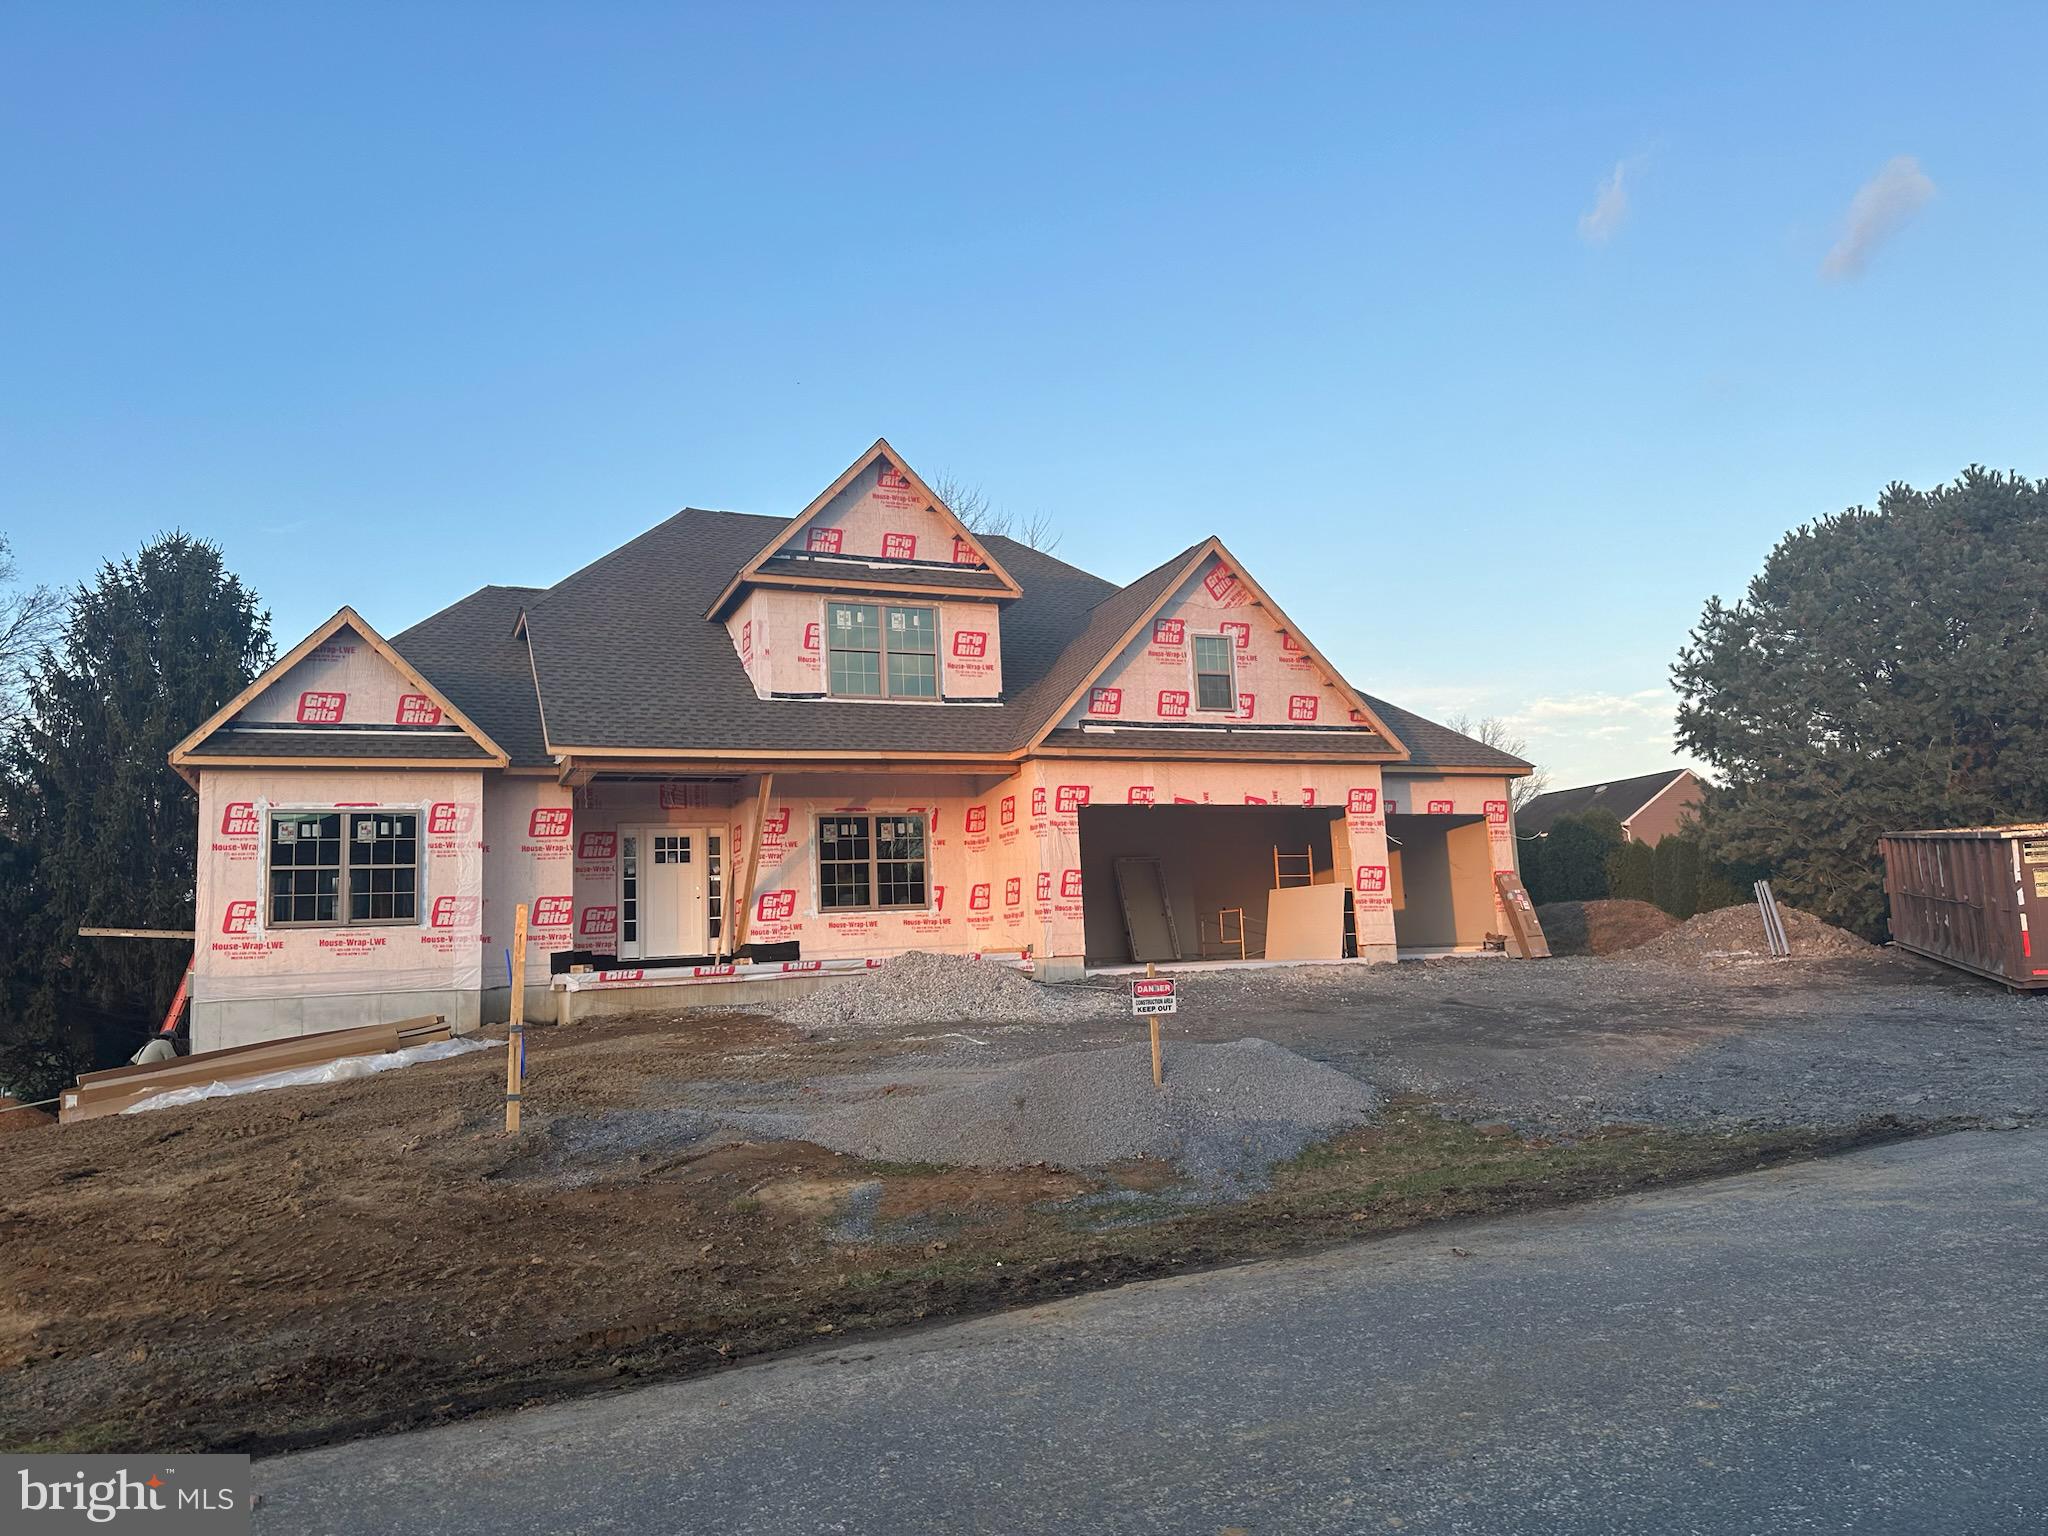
(418, 709)
(238, 818)
(1302, 706)
(1068, 798)
(775, 907)
(552, 911)
(1443, 807)
(1008, 814)
(823, 541)
(447, 819)
(549, 821)
(977, 818)
(1140, 794)
(1372, 879)
(1173, 703)
(1070, 885)
(971, 644)
(899, 546)
(1105, 701)
(453, 912)
(810, 637)
(1362, 802)
(1239, 632)
(1497, 812)
(1169, 631)
(597, 847)
(1013, 891)
(776, 825)
(599, 923)
(238, 918)
(318, 708)
(977, 898)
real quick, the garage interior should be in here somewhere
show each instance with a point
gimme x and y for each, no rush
(1440, 871)
(1183, 883)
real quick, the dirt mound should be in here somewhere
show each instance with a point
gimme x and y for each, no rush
(1226, 1114)
(1735, 935)
(919, 988)
(16, 1120)
(1601, 927)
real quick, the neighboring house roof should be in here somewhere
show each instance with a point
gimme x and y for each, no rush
(1622, 797)
(621, 655)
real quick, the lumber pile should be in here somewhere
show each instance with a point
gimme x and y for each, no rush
(111, 1091)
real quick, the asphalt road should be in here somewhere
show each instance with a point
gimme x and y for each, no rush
(1854, 1345)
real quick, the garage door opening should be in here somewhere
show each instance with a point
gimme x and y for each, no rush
(1440, 870)
(1187, 883)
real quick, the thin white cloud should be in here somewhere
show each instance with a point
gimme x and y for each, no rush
(1882, 207)
(1597, 225)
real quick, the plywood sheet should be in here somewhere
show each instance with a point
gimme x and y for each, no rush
(1148, 917)
(1305, 922)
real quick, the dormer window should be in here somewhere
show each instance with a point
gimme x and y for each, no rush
(882, 651)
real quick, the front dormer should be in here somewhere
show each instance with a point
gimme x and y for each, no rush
(875, 592)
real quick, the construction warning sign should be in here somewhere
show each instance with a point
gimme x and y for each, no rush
(1154, 994)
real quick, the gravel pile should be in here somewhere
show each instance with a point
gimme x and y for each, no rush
(1226, 1114)
(1735, 935)
(919, 988)
(1601, 927)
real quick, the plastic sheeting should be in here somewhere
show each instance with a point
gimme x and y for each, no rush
(340, 1070)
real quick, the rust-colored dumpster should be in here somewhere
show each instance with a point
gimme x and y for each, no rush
(1973, 897)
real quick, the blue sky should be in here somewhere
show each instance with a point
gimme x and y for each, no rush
(393, 302)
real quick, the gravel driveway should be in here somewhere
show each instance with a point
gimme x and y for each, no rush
(1579, 1042)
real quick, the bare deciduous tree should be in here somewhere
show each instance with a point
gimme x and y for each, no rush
(1492, 731)
(28, 618)
(971, 504)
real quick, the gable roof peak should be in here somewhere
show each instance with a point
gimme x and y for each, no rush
(882, 451)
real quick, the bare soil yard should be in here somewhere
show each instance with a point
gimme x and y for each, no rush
(315, 1263)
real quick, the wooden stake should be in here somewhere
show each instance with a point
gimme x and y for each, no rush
(1158, 1071)
(515, 1039)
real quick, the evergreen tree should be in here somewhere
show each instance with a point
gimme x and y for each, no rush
(1572, 862)
(1887, 670)
(100, 829)
(1631, 872)
(1675, 876)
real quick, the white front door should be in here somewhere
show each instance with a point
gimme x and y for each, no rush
(664, 878)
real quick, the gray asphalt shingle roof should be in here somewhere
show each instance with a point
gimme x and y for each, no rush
(343, 745)
(625, 657)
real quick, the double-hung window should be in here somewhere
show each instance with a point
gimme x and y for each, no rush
(341, 868)
(882, 651)
(1215, 673)
(870, 862)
